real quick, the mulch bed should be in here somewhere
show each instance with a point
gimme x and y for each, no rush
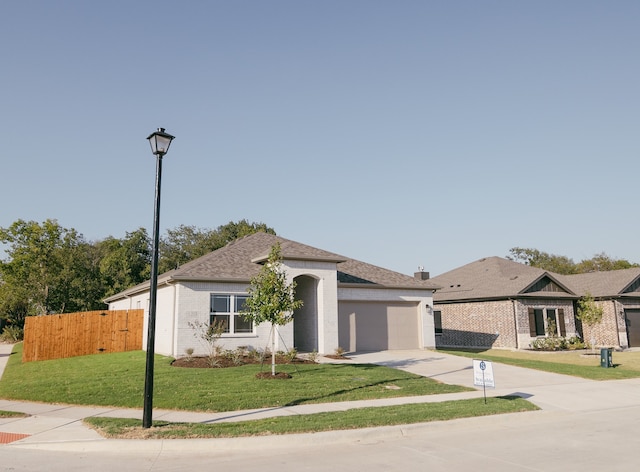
(228, 361)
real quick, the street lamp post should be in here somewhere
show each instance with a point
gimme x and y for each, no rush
(160, 142)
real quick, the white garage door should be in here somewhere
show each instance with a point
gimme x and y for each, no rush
(375, 326)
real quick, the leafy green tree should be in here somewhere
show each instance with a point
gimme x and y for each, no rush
(186, 243)
(38, 254)
(124, 262)
(565, 265)
(271, 298)
(602, 262)
(181, 245)
(542, 260)
(232, 231)
(589, 313)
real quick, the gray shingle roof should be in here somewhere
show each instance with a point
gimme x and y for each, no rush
(604, 284)
(240, 260)
(498, 278)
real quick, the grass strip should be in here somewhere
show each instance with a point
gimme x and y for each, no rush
(567, 363)
(117, 379)
(12, 414)
(330, 421)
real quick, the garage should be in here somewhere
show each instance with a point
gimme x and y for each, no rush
(378, 326)
(633, 327)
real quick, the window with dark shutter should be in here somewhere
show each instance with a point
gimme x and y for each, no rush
(532, 323)
(437, 321)
(561, 325)
(539, 315)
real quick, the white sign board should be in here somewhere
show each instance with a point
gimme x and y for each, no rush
(483, 374)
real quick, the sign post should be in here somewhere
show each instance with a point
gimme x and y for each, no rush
(483, 375)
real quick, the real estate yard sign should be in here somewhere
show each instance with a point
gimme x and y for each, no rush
(483, 375)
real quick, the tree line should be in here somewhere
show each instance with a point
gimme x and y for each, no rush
(565, 265)
(52, 269)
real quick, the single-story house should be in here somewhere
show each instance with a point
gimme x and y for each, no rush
(346, 303)
(495, 302)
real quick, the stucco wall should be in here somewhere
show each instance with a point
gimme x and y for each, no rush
(423, 298)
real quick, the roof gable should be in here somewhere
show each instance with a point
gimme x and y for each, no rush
(547, 284)
(498, 278)
(606, 283)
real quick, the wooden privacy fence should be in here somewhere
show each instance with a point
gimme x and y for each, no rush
(79, 334)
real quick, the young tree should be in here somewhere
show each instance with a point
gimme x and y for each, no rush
(589, 313)
(271, 299)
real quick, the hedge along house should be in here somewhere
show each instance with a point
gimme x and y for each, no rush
(496, 302)
(347, 303)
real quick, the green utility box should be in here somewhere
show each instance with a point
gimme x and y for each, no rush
(606, 357)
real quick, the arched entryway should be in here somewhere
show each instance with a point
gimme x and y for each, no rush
(305, 319)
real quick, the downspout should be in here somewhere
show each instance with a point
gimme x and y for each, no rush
(515, 320)
(173, 320)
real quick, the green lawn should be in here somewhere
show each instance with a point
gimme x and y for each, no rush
(576, 363)
(343, 420)
(11, 414)
(118, 380)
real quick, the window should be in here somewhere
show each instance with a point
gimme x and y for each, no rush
(226, 309)
(437, 321)
(538, 323)
(541, 318)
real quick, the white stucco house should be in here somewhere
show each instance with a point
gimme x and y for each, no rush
(347, 303)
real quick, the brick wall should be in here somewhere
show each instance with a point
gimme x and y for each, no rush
(477, 324)
(498, 324)
(612, 330)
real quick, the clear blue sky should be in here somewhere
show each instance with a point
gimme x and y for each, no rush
(400, 133)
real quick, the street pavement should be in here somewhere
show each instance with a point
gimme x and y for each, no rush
(59, 427)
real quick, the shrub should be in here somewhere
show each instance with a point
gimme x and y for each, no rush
(556, 343)
(12, 334)
(313, 356)
(292, 354)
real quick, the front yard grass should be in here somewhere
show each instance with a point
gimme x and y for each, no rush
(118, 380)
(343, 420)
(12, 414)
(585, 364)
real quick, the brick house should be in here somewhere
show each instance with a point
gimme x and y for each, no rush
(347, 303)
(495, 302)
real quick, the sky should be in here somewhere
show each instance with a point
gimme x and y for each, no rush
(400, 133)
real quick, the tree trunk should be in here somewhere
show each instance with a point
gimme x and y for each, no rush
(273, 350)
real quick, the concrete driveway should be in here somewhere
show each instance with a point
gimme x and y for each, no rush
(546, 390)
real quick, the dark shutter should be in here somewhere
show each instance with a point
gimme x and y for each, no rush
(563, 329)
(532, 323)
(437, 321)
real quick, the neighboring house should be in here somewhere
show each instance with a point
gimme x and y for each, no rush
(347, 303)
(495, 302)
(618, 292)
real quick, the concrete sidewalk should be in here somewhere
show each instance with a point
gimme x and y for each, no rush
(60, 426)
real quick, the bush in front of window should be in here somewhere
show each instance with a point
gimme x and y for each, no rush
(556, 343)
(208, 335)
